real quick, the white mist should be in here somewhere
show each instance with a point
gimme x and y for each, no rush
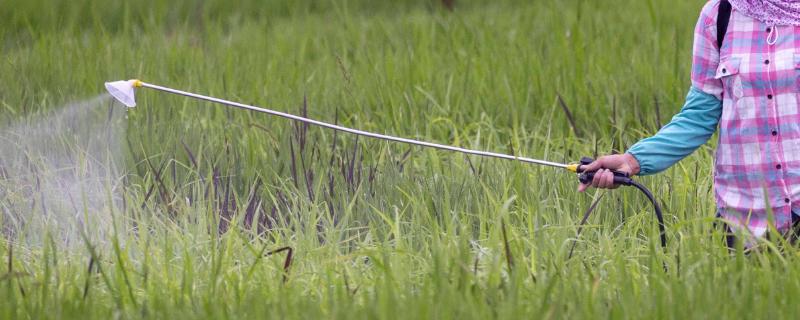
(60, 172)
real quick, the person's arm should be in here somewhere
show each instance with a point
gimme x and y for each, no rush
(690, 128)
(687, 131)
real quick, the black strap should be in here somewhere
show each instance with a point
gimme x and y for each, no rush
(723, 17)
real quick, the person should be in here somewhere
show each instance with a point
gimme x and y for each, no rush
(748, 87)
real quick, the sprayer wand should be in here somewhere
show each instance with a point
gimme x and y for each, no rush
(123, 91)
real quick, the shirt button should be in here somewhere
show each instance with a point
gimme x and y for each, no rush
(724, 70)
(786, 200)
(769, 96)
(766, 61)
(774, 132)
(778, 167)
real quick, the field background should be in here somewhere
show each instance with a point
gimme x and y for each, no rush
(377, 230)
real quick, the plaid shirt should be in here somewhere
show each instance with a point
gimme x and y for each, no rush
(755, 74)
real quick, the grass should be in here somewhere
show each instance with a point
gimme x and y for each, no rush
(376, 230)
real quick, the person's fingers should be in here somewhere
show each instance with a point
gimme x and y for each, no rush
(608, 179)
(601, 179)
(594, 166)
(597, 178)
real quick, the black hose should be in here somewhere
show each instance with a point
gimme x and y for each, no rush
(657, 208)
(585, 177)
(622, 178)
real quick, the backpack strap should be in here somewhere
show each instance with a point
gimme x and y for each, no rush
(723, 17)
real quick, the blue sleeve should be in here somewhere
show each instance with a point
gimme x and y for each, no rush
(687, 131)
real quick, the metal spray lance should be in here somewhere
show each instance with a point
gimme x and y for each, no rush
(123, 91)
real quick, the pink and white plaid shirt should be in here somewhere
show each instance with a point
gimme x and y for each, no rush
(756, 74)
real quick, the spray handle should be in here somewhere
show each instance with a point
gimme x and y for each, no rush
(587, 177)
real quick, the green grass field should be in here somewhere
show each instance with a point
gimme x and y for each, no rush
(377, 230)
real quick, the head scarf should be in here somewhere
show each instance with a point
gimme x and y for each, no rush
(771, 12)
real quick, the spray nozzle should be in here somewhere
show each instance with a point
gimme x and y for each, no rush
(123, 91)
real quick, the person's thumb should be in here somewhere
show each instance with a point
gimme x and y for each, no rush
(594, 166)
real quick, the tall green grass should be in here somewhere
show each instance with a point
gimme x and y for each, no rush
(377, 230)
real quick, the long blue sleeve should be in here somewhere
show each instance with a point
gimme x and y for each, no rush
(688, 130)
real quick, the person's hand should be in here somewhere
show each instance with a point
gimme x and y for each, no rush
(603, 177)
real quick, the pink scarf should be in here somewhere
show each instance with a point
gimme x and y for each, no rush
(771, 12)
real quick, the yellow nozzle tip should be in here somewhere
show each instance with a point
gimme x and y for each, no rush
(137, 83)
(573, 167)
